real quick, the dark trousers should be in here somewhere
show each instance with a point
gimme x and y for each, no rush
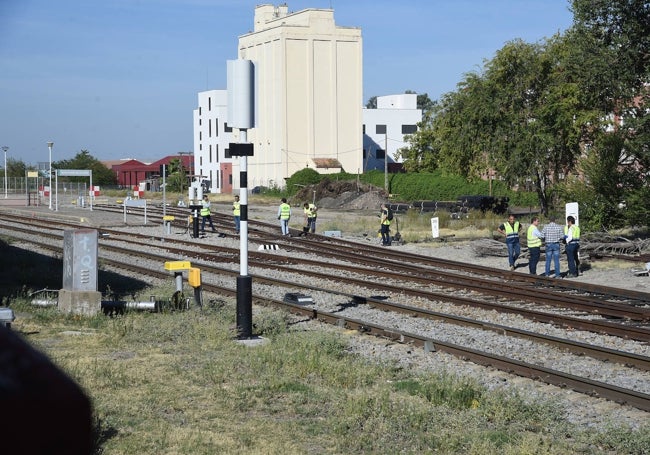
(534, 259)
(385, 234)
(209, 218)
(311, 224)
(572, 257)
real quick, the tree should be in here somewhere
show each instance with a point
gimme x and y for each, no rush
(611, 64)
(372, 103)
(16, 168)
(84, 160)
(177, 179)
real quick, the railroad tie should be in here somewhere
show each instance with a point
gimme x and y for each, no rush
(268, 247)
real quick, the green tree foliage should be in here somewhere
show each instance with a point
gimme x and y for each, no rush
(302, 178)
(505, 120)
(177, 180)
(16, 168)
(611, 64)
(85, 161)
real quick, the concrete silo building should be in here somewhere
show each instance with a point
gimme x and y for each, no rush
(309, 83)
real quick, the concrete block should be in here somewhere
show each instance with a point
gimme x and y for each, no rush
(86, 303)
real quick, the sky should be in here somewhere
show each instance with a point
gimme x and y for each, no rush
(120, 78)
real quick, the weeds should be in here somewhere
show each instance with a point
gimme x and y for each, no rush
(179, 383)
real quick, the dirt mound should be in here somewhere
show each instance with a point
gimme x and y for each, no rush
(346, 194)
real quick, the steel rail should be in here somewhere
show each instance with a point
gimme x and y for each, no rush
(557, 378)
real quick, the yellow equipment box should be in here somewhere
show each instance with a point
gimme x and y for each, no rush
(168, 218)
(194, 277)
(177, 265)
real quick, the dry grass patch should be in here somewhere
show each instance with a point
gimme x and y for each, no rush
(178, 383)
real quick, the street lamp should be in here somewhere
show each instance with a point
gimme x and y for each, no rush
(4, 149)
(49, 146)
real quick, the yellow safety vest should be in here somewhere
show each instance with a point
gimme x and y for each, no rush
(236, 208)
(512, 232)
(285, 211)
(533, 240)
(205, 209)
(575, 234)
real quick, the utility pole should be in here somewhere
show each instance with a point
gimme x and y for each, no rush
(386, 162)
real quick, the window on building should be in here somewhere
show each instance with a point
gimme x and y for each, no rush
(209, 128)
(230, 179)
(226, 153)
(216, 127)
(200, 123)
(365, 153)
(364, 129)
(380, 129)
(216, 150)
(409, 129)
(209, 103)
(200, 161)
(380, 154)
(227, 128)
(210, 154)
(199, 110)
(200, 136)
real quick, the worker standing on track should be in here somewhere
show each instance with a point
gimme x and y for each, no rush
(236, 213)
(206, 214)
(384, 226)
(552, 233)
(310, 217)
(572, 238)
(284, 215)
(534, 242)
(511, 230)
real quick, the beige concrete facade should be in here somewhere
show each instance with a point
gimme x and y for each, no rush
(309, 83)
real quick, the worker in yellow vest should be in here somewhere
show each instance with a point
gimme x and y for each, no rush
(534, 243)
(284, 215)
(206, 214)
(236, 213)
(310, 217)
(511, 230)
(572, 239)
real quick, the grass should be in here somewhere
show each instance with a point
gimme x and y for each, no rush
(414, 226)
(178, 383)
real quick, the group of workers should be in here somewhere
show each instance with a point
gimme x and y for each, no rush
(310, 212)
(206, 213)
(552, 235)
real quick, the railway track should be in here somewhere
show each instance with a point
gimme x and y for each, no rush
(206, 258)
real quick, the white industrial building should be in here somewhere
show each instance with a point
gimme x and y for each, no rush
(384, 128)
(211, 138)
(308, 101)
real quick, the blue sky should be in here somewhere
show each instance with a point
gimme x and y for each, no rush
(120, 78)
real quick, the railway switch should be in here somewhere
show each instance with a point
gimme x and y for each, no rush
(193, 279)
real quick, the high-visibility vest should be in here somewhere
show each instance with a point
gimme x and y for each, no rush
(384, 217)
(236, 208)
(512, 232)
(285, 211)
(310, 212)
(205, 209)
(533, 240)
(575, 232)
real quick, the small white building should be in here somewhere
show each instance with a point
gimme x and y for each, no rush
(384, 128)
(211, 138)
